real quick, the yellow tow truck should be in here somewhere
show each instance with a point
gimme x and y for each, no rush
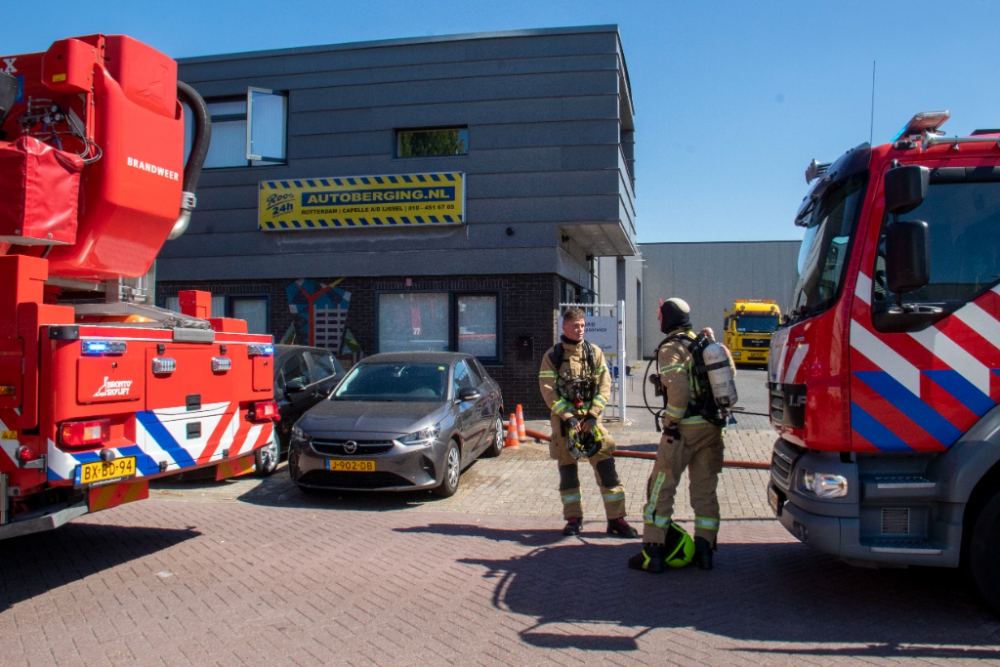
(749, 328)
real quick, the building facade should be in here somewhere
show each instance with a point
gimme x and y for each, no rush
(434, 193)
(710, 276)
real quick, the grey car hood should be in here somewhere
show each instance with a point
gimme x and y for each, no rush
(357, 419)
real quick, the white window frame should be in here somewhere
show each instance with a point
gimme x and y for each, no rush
(267, 91)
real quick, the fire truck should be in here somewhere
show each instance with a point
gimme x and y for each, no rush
(884, 385)
(100, 391)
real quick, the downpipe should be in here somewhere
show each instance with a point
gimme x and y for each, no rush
(196, 160)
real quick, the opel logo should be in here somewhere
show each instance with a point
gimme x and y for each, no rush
(350, 446)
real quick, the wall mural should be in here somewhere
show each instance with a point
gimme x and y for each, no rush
(322, 317)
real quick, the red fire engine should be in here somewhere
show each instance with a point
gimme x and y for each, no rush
(100, 391)
(885, 382)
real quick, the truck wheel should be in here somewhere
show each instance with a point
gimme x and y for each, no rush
(984, 552)
(268, 457)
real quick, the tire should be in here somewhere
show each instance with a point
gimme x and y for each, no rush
(452, 472)
(984, 552)
(496, 447)
(268, 457)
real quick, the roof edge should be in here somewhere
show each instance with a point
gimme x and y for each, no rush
(405, 41)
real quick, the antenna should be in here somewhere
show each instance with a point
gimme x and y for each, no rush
(871, 126)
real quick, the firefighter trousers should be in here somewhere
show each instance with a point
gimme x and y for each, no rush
(603, 463)
(699, 450)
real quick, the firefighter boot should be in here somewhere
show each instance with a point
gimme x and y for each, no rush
(650, 559)
(703, 553)
(620, 528)
(573, 527)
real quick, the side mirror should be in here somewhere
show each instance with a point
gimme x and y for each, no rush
(907, 255)
(468, 394)
(294, 387)
(906, 188)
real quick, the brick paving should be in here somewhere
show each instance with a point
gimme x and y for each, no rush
(254, 572)
(237, 583)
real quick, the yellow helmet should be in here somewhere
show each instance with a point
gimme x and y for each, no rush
(678, 549)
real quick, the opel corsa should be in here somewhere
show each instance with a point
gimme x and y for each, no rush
(398, 422)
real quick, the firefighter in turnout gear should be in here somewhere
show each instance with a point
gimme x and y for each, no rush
(692, 439)
(575, 384)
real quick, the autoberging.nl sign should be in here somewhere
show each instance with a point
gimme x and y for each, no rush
(405, 200)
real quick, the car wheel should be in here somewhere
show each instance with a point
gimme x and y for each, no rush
(452, 472)
(496, 447)
(984, 552)
(268, 457)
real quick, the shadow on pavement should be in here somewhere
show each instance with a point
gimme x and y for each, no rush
(35, 564)
(759, 592)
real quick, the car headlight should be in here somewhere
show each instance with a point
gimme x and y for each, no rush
(299, 434)
(422, 437)
(824, 485)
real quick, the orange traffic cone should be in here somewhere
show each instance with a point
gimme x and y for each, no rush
(512, 441)
(520, 425)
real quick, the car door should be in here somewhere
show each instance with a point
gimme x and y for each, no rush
(470, 419)
(293, 379)
(322, 374)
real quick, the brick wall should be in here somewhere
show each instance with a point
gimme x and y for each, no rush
(528, 308)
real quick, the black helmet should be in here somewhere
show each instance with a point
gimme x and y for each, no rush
(584, 445)
(675, 314)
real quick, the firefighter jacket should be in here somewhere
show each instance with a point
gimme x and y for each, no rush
(557, 384)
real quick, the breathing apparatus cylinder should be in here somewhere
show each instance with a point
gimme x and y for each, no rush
(720, 375)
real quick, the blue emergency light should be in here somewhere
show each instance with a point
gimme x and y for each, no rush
(96, 348)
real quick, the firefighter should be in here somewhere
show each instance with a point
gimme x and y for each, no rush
(575, 384)
(692, 439)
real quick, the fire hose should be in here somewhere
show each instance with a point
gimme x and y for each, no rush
(628, 454)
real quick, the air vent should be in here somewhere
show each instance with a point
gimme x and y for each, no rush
(895, 521)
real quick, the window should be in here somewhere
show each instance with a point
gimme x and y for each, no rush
(464, 379)
(322, 366)
(416, 321)
(294, 369)
(394, 382)
(477, 325)
(964, 223)
(825, 247)
(253, 310)
(440, 321)
(248, 130)
(431, 143)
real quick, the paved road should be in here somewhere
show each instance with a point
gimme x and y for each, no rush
(253, 572)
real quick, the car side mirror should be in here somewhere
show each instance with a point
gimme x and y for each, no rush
(907, 255)
(906, 188)
(468, 394)
(294, 387)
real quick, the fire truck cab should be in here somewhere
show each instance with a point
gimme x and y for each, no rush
(885, 383)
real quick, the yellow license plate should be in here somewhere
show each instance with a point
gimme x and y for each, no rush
(104, 471)
(342, 465)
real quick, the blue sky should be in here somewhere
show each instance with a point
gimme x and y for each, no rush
(733, 99)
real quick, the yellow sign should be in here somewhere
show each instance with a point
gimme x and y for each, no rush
(9, 435)
(407, 200)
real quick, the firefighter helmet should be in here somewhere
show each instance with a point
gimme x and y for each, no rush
(584, 445)
(678, 548)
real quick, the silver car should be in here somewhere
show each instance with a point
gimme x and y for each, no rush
(399, 422)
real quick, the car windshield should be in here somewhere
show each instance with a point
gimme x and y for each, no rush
(825, 247)
(394, 382)
(756, 323)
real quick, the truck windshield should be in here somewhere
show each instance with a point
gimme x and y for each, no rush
(756, 324)
(964, 223)
(825, 247)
